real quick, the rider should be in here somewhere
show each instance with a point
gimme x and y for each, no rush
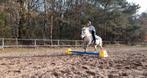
(92, 30)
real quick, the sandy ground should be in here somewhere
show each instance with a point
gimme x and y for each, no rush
(123, 62)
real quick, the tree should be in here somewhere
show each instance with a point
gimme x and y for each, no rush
(61, 19)
(143, 20)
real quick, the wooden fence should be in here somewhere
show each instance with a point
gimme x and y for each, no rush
(14, 42)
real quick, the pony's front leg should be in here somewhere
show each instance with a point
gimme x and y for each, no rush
(84, 46)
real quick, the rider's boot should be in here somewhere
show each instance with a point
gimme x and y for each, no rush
(94, 41)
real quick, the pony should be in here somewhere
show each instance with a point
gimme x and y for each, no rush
(88, 39)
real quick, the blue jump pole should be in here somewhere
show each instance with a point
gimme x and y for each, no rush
(101, 53)
(80, 52)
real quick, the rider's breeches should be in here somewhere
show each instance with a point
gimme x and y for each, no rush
(93, 36)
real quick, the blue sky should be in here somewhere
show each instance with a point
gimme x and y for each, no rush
(142, 3)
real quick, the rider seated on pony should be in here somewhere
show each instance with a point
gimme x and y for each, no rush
(89, 36)
(92, 30)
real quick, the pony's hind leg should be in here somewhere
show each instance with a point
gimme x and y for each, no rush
(101, 47)
(95, 47)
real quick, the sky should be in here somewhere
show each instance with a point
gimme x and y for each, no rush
(142, 3)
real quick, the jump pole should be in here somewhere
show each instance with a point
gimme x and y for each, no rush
(69, 51)
(80, 52)
(101, 53)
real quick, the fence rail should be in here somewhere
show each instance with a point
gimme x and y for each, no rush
(14, 42)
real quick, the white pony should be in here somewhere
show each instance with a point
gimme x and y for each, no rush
(88, 39)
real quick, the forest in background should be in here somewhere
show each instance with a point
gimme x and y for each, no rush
(115, 20)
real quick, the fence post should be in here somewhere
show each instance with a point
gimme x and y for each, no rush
(16, 40)
(58, 43)
(76, 43)
(35, 43)
(3, 43)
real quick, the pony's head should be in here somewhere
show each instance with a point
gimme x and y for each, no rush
(85, 32)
